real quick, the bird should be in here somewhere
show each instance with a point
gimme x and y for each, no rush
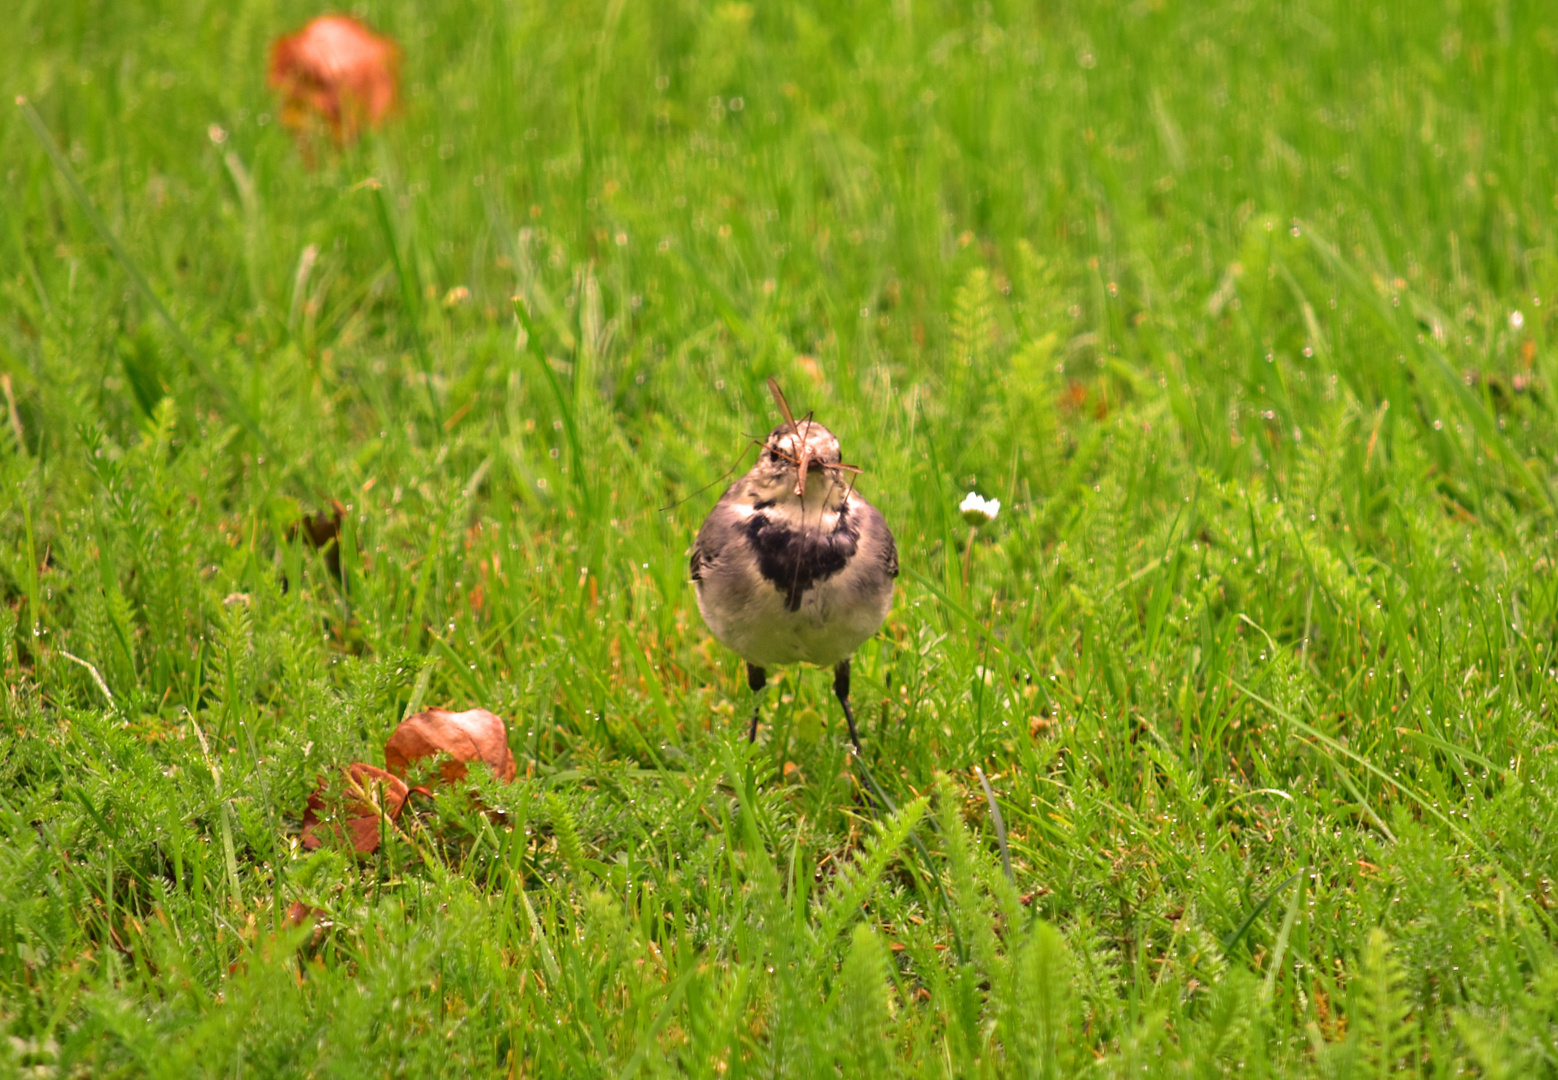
(793, 565)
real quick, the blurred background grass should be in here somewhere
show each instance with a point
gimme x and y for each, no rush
(1241, 309)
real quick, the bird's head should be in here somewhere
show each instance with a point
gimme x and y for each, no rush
(798, 462)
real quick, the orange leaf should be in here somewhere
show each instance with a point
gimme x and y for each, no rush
(357, 811)
(476, 735)
(337, 71)
(299, 912)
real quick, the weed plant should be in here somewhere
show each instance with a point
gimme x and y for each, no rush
(1240, 308)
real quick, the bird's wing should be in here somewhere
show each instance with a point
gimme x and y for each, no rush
(876, 535)
(712, 537)
(695, 564)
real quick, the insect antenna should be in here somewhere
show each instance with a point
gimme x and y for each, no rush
(734, 466)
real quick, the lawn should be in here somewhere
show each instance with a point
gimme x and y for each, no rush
(1227, 748)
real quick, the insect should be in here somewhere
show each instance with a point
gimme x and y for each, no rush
(793, 565)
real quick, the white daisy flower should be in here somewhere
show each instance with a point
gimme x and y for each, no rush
(978, 510)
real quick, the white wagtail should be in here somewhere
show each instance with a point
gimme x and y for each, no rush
(793, 565)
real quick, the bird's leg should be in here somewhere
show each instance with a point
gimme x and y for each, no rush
(841, 688)
(757, 680)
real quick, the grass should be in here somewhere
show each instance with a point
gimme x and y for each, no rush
(1241, 309)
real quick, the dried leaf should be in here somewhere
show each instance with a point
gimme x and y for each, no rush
(335, 72)
(322, 532)
(476, 735)
(298, 911)
(324, 527)
(356, 818)
(301, 914)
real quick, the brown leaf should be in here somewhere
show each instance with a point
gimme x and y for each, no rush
(323, 528)
(298, 911)
(322, 531)
(475, 735)
(337, 72)
(301, 914)
(357, 811)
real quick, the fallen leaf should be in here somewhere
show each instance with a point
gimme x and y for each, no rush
(357, 811)
(810, 368)
(301, 914)
(324, 527)
(474, 735)
(322, 532)
(337, 72)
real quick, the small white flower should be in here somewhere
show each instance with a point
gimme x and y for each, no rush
(1516, 320)
(977, 510)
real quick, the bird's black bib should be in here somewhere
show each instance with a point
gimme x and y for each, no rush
(794, 562)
